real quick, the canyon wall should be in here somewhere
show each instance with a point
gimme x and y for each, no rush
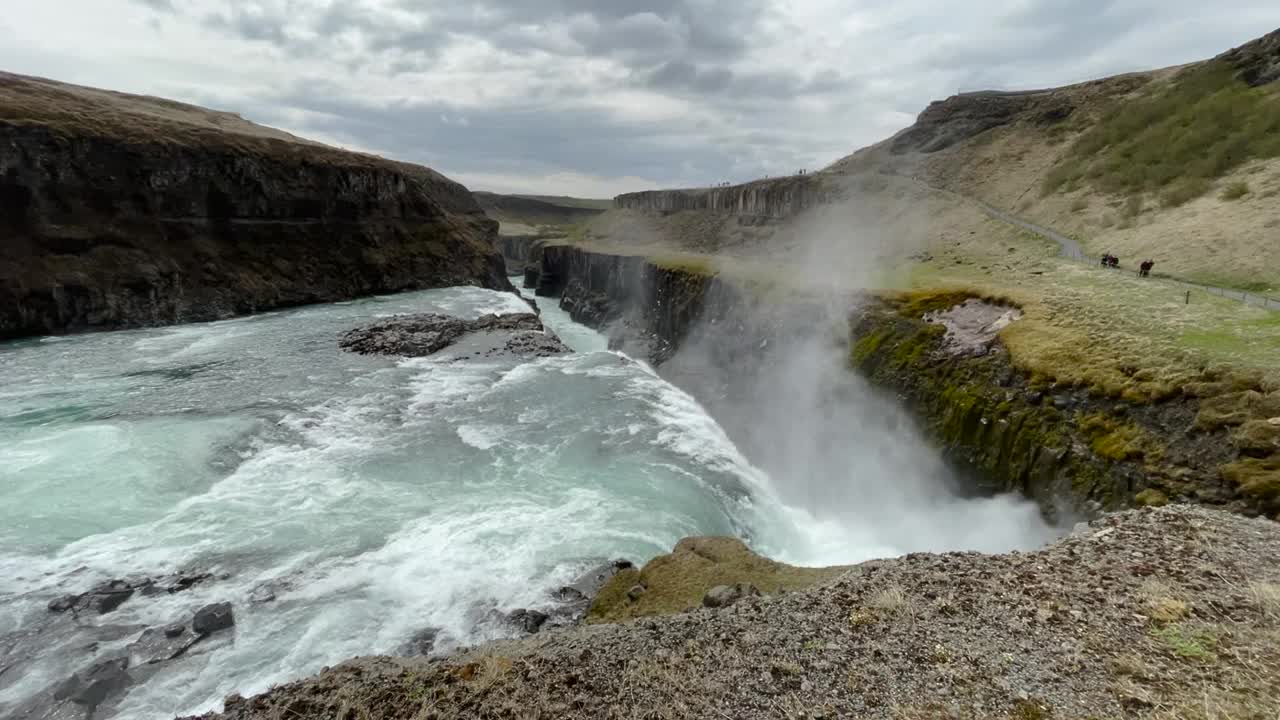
(121, 211)
(773, 199)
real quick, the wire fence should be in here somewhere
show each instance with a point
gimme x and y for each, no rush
(1244, 296)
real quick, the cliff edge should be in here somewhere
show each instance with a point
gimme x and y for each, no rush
(120, 211)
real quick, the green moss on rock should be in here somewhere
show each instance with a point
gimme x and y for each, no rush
(1151, 498)
(677, 582)
(1258, 478)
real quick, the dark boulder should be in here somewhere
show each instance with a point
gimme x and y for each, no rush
(423, 643)
(91, 686)
(212, 618)
(530, 621)
(101, 599)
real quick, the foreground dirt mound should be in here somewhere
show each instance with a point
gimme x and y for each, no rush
(119, 211)
(1163, 613)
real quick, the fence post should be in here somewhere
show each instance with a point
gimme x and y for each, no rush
(1188, 302)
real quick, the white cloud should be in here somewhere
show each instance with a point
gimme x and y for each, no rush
(592, 97)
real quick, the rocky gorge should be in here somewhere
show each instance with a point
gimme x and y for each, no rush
(1075, 452)
(123, 211)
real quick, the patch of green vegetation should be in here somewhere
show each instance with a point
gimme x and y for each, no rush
(917, 304)
(865, 347)
(1079, 205)
(694, 264)
(1235, 190)
(1189, 643)
(677, 582)
(1176, 139)
(1151, 498)
(1258, 478)
(1117, 441)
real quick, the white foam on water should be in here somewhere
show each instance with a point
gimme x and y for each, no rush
(481, 437)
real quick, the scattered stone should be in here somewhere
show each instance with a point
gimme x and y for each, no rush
(530, 621)
(108, 596)
(722, 596)
(635, 592)
(212, 618)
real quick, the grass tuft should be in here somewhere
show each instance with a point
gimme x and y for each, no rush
(1235, 191)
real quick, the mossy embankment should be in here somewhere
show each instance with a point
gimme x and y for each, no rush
(1073, 446)
(676, 582)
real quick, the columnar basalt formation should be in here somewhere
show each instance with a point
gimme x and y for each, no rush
(772, 199)
(123, 211)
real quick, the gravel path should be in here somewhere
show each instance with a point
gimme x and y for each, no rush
(1164, 613)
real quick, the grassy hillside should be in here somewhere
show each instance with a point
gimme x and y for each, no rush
(1180, 165)
(1175, 139)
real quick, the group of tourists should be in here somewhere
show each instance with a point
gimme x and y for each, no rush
(1144, 268)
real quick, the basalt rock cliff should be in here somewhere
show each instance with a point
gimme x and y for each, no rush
(766, 200)
(122, 211)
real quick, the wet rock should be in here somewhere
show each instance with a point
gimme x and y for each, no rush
(723, 596)
(428, 333)
(91, 686)
(568, 594)
(422, 643)
(590, 582)
(102, 598)
(231, 701)
(161, 644)
(530, 621)
(212, 618)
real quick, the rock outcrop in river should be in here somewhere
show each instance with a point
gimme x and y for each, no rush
(124, 211)
(521, 334)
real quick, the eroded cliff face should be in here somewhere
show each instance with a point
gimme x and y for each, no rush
(766, 200)
(152, 214)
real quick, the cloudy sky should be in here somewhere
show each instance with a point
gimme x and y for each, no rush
(597, 97)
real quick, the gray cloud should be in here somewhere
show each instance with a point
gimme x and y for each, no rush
(674, 91)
